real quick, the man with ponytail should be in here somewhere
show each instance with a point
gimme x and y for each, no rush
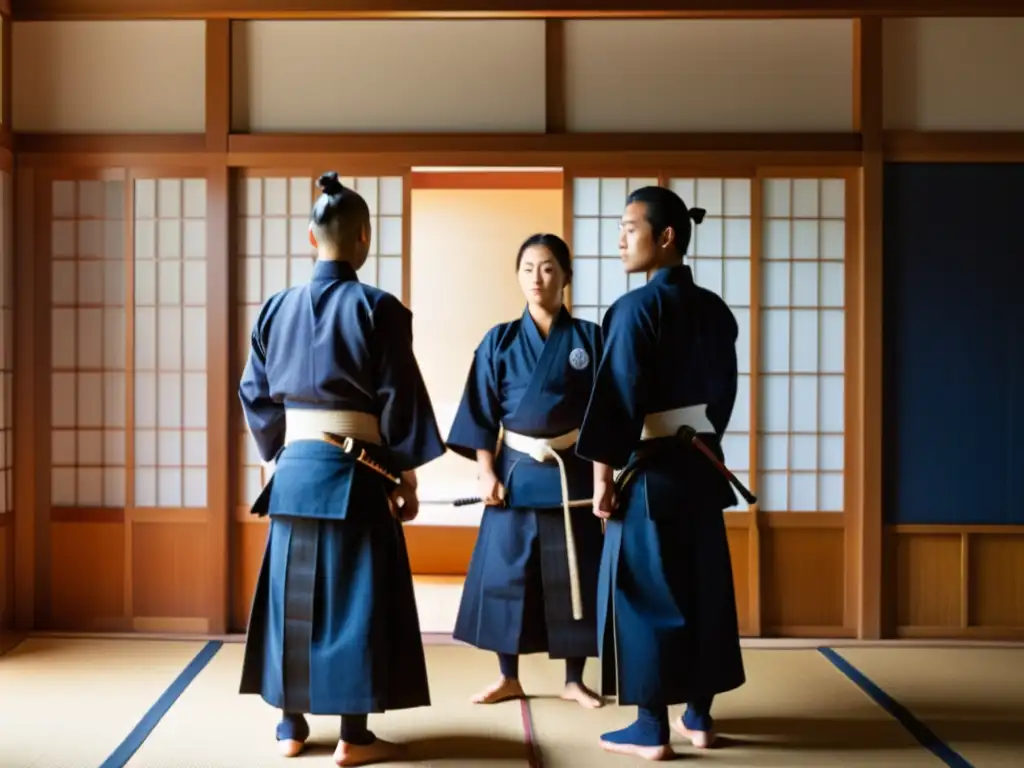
(667, 626)
(332, 394)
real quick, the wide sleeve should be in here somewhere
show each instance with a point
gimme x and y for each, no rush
(407, 421)
(264, 417)
(614, 420)
(478, 418)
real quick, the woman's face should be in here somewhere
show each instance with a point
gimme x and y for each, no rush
(541, 278)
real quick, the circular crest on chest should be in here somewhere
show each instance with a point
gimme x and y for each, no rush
(579, 359)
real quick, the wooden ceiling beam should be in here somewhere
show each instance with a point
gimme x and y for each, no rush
(568, 9)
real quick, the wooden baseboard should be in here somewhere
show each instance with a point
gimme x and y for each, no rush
(959, 634)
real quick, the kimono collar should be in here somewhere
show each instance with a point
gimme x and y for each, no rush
(562, 319)
(677, 275)
(333, 270)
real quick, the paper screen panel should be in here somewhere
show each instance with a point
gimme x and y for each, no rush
(720, 257)
(170, 343)
(274, 253)
(87, 349)
(802, 346)
(6, 343)
(383, 195)
(598, 277)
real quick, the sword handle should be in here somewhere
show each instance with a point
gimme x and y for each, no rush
(465, 502)
(691, 434)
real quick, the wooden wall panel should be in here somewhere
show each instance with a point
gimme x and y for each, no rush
(739, 549)
(248, 540)
(7, 353)
(402, 75)
(6, 573)
(169, 561)
(953, 74)
(995, 586)
(803, 576)
(958, 581)
(87, 576)
(108, 76)
(737, 75)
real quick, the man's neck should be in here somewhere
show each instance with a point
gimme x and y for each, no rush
(668, 263)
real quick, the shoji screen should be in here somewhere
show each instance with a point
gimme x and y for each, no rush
(169, 353)
(598, 279)
(802, 366)
(88, 417)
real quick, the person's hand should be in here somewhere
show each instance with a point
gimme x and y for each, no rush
(404, 503)
(606, 501)
(491, 490)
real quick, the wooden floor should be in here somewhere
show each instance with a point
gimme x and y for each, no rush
(86, 702)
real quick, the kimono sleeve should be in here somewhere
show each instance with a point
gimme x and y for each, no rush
(614, 420)
(407, 421)
(478, 419)
(264, 416)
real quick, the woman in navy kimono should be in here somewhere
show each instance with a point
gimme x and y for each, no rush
(333, 628)
(525, 397)
(667, 609)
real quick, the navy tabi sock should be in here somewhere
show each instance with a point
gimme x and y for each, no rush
(697, 716)
(354, 730)
(509, 665)
(649, 730)
(293, 727)
(574, 670)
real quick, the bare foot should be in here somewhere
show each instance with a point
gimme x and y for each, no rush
(379, 751)
(699, 739)
(582, 695)
(290, 747)
(664, 752)
(503, 690)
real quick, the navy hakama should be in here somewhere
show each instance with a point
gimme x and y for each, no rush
(516, 597)
(333, 627)
(667, 622)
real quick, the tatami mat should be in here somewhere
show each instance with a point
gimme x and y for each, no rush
(970, 698)
(69, 703)
(212, 726)
(795, 709)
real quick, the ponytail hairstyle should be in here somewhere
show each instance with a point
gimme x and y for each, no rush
(666, 210)
(340, 215)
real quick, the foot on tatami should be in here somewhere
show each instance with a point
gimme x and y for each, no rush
(699, 739)
(290, 747)
(503, 690)
(663, 752)
(377, 751)
(582, 695)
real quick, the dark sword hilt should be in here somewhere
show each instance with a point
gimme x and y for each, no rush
(689, 434)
